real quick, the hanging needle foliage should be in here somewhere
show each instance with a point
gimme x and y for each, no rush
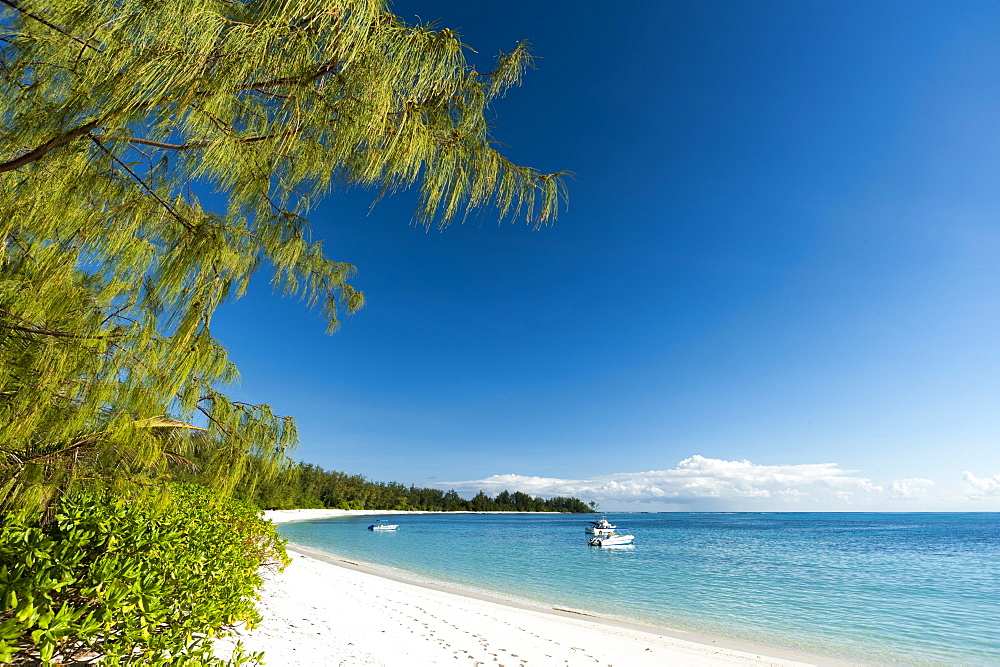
(113, 115)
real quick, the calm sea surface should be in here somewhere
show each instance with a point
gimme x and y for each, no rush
(903, 588)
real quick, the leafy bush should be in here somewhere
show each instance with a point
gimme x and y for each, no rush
(131, 582)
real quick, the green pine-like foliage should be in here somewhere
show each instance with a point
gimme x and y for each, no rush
(117, 119)
(114, 116)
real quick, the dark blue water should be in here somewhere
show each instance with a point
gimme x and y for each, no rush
(907, 588)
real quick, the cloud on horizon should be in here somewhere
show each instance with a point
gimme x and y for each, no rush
(700, 483)
(982, 488)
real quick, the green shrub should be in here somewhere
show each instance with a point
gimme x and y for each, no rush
(132, 582)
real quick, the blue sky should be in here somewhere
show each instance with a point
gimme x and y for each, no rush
(775, 286)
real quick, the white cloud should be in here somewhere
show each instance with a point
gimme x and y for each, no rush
(700, 482)
(910, 488)
(982, 488)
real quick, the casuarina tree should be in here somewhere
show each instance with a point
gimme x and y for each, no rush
(116, 117)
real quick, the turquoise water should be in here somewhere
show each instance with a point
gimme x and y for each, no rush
(904, 588)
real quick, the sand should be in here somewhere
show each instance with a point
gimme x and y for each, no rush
(326, 611)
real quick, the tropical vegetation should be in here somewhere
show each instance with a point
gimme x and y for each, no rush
(306, 485)
(155, 157)
(131, 582)
(119, 119)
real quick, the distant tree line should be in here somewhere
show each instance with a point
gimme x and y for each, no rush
(305, 485)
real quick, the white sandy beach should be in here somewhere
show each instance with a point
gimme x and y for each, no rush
(322, 611)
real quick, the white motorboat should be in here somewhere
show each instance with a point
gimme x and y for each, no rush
(613, 540)
(602, 527)
(383, 524)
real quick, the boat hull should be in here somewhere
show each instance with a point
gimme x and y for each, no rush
(612, 541)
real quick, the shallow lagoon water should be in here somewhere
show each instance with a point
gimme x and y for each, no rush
(904, 588)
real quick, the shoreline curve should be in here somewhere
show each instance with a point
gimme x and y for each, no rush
(324, 609)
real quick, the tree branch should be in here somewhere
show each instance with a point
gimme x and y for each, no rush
(191, 144)
(324, 69)
(39, 152)
(155, 144)
(48, 332)
(170, 209)
(13, 5)
(44, 331)
(217, 423)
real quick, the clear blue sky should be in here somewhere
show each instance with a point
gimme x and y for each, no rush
(781, 251)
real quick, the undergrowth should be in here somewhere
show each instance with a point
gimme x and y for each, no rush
(123, 582)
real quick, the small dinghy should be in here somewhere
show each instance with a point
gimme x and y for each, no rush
(383, 524)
